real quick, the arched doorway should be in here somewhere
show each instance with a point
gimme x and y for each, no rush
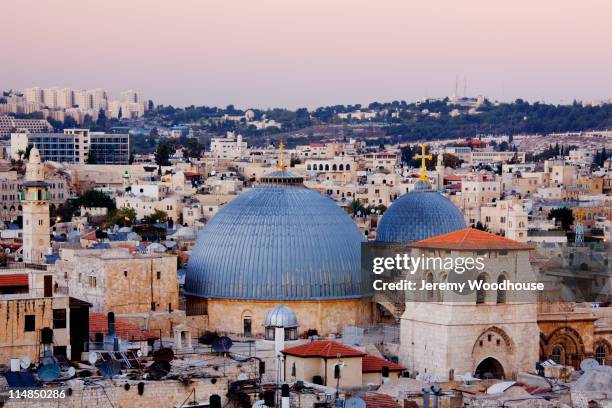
(489, 368)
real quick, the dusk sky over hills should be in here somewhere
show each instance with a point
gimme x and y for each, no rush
(291, 54)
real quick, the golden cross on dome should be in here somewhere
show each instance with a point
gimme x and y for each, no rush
(423, 158)
(281, 162)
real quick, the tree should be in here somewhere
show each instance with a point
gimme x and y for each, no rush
(480, 226)
(95, 198)
(564, 215)
(101, 122)
(125, 216)
(158, 216)
(355, 206)
(162, 154)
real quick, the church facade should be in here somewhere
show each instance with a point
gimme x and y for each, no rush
(485, 333)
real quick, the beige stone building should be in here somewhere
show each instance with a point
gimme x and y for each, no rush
(119, 281)
(480, 332)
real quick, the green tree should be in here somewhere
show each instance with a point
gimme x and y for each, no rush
(124, 216)
(162, 153)
(564, 215)
(158, 216)
(355, 206)
(95, 198)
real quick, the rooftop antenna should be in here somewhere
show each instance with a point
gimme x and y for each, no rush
(465, 86)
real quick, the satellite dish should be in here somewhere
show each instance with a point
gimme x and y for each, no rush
(242, 377)
(163, 354)
(49, 372)
(25, 363)
(222, 344)
(71, 372)
(110, 369)
(139, 353)
(355, 402)
(93, 357)
(500, 387)
(588, 364)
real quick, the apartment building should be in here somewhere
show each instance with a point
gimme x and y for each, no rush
(75, 146)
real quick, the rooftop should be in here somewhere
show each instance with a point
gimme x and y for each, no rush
(373, 364)
(98, 323)
(470, 239)
(324, 349)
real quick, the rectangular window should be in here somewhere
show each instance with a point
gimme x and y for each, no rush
(30, 323)
(59, 318)
(92, 282)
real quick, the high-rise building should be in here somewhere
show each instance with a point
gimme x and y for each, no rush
(35, 199)
(34, 94)
(49, 97)
(130, 96)
(65, 98)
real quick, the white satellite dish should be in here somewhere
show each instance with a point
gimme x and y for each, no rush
(242, 377)
(500, 387)
(93, 357)
(588, 364)
(71, 372)
(139, 353)
(25, 363)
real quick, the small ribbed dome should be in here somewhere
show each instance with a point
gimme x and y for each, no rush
(281, 316)
(418, 215)
(278, 241)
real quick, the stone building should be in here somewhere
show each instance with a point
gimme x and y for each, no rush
(23, 317)
(480, 332)
(119, 281)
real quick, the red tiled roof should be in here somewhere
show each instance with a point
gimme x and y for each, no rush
(323, 348)
(453, 178)
(375, 400)
(18, 279)
(470, 239)
(98, 323)
(373, 364)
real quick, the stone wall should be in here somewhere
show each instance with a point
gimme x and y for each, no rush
(107, 393)
(326, 316)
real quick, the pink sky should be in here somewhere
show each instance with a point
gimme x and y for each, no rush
(295, 53)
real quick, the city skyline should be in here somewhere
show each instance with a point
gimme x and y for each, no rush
(277, 55)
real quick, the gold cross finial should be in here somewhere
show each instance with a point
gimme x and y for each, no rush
(281, 161)
(423, 158)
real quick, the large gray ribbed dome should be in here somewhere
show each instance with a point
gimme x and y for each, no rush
(420, 214)
(278, 241)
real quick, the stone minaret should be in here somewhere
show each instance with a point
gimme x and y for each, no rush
(35, 201)
(440, 170)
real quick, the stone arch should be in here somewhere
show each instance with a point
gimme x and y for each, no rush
(571, 343)
(247, 322)
(348, 166)
(341, 167)
(334, 167)
(481, 295)
(489, 367)
(327, 167)
(494, 330)
(602, 350)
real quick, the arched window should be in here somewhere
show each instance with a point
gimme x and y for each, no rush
(556, 354)
(501, 294)
(341, 167)
(430, 292)
(308, 167)
(327, 167)
(600, 354)
(348, 166)
(334, 167)
(321, 167)
(481, 293)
